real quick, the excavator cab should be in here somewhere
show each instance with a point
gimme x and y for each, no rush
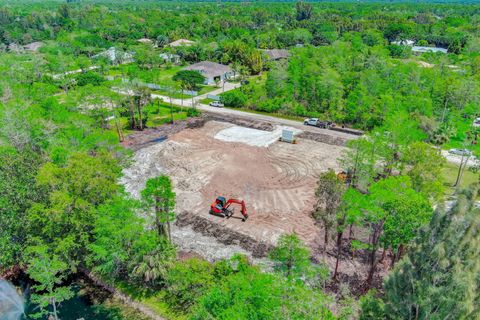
(221, 201)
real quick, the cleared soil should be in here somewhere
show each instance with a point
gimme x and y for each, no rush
(277, 182)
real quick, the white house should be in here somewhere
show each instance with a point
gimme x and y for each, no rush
(420, 50)
(212, 71)
(170, 57)
(406, 42)
(115, 55)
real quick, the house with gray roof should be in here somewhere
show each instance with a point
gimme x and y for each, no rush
(212, 71)
(16, 48)
(34, 46)
(181, 42)
(276, 54)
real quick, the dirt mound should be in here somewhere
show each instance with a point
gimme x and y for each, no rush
(152, 136)
(224, 235)
(323, 137)
(231, 119)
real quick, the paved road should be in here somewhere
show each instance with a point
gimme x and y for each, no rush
(457, 159)
(242, 114)
(253, 116)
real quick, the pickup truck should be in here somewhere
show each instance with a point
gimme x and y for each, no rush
(318, 123)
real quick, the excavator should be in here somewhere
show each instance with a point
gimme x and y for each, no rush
(221, 207)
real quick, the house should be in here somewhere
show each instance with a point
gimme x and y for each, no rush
(16, 48)
(420, 50)
(181, 42)
(115, 55)
(170, 57)
(212, 71)
(276, 54)
(34, 46)
(406, 42)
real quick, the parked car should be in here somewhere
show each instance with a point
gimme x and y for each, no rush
(460, 152)
(217, 104)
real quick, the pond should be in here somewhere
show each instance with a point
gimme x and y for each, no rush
(79, 307)
(88, 303)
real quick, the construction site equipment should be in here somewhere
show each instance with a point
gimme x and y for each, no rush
(221, 207)
(288, 136)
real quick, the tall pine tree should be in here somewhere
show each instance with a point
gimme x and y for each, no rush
(439, 278)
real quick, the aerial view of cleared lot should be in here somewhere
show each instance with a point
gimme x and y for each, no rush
(276, 179)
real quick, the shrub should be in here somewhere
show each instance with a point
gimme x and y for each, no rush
(397, 51)
(89, 78)
(234, 99)
(187, 281)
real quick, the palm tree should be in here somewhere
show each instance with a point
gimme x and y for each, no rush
(154, 266)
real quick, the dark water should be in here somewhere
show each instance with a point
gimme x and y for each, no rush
(78, 307)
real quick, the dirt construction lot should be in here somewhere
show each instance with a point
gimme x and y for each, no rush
(277, 180)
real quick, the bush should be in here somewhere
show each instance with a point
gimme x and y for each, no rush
(397, 51)
(191, 112)
(234, 99)
(270, 105)
(187, 281)
(89, 78)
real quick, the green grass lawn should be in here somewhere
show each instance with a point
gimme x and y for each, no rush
(161, 76)
(175, 95)
(450, 172)
(157, 119)
(462, 127)
(206, 89)
(206, 101)
(156, 116)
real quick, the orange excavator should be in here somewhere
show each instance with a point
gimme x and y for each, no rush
(221, 207)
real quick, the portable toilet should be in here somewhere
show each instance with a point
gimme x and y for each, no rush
(288, 136)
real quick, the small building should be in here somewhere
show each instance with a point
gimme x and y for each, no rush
(181, 42)
(276, 54)
(115, 55)
(34, 46)
(212, 71)
(170, 58)
(420, 50)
